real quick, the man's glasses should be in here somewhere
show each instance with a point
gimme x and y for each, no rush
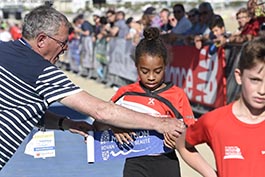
(62, 44)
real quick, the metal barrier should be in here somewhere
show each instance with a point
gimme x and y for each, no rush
(207, 78)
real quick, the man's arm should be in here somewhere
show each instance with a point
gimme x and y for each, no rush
(234, 39)
(58, 122)
(112, 114)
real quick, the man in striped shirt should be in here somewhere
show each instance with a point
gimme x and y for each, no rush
(30, 82)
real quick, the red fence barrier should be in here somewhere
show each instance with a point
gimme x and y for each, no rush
(206, 78)
(200, 74)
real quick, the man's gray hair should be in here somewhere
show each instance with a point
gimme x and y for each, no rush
(43, 19)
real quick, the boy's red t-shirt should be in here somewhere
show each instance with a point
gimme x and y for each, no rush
(239, 148)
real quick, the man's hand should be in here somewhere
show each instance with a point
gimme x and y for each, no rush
(173, 126)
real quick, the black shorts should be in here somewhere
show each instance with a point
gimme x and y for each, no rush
(164, 165)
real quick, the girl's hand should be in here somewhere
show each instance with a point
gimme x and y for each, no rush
(123, 136)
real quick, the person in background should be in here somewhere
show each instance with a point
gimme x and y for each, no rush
(194, 17)
(172, 20)
(146, 21)
(111, 17)
(256, 8)
(187, 37)
(164, 18)
(183, 24)
(151, 18)
(135, 32)
(217, 27)
(5, 35)
(96, 25)
(101, 50)
(206, 14)
(119, 29)
(73, 53)
(234, 132)
(243, 17)
(31, 82)
(85, 29)
(103, 28)
(15, 31)
(4, 24)
(248, 32)
(152, 95)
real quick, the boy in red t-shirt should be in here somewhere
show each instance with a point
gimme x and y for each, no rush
(235, 132)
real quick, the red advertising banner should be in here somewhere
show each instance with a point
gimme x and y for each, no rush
(200, 74)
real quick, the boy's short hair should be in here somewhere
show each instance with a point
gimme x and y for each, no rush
(217, 21)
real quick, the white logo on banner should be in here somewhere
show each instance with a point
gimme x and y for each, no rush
(208, 83)
(141, 138)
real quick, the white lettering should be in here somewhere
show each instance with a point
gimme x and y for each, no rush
(209, 86)
(107, 147)
(207, 82)
(142, 141)
(179, 76)
(141, 134)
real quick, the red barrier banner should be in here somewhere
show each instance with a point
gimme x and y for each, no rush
(200, 74)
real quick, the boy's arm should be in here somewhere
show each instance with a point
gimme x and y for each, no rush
(193, 158)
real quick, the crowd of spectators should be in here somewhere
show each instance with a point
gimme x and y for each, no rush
(198, 26)
(90, 42)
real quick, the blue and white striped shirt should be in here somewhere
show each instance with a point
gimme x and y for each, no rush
(28, 85)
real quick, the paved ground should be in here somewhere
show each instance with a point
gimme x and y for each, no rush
(70, 160)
